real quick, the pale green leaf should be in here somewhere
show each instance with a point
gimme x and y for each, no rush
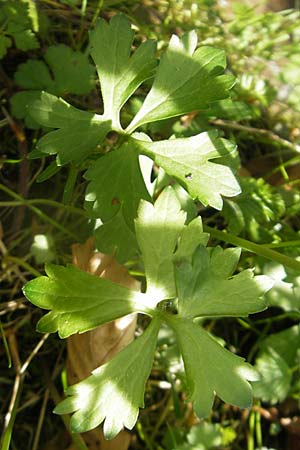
(79, 131)
(157, 229)
(185, 81)
(210, 369)
(115, 391)
(276, 377)
(43, 249)
(285, 294)
(80, 301)
(206, 288)
(188, 160)
(286, 343)
(206, 434)
(191, 237)
(119, 73)
(116, 182)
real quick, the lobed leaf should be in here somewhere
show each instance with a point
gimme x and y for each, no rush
(210, 369)
(157, 229)
(191, 237)
(116, 182)
(276, 377)
(119, 73)
(80, 301)
(79, 132)
(114, 237)
(115, 391)
(186, 81)
(66, 71)
(188, 160)
(205, 286)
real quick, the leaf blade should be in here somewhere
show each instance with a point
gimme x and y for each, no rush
(196, 78)
(119, 73)
(114, 392)
(188, 160)
(80, 301)
(206, 288)
(228, 378)
(157, 229)
(79, 132)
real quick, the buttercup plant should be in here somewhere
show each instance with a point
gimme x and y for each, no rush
(197, 280)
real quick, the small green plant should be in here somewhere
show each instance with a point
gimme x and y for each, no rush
(186, 281)
(18, 23)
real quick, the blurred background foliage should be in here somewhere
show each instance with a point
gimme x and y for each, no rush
(43, 46)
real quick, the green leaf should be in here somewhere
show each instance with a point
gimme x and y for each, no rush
(255, 209)
(210, 369)
(286, 343)
(205, 434)
(71, 70)
(115, 391)
(80, 301)
(276, 377)
(157, 229)
(188, 160)
(79, 131)
(20, 105)
(68, 71)
(186, 81)
(206, 286)
(115, 238)
(119, 73)
(26, 40)
(5, 43)
(48, 173)
(284, 294)
(191, 237)
(33, 74)
(116, 182)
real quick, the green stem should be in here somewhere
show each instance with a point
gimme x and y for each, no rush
(24, 264)
(250, 440)
(259, 249)
(285, 244)
(38, 212)
(6, 348)
(258, 431)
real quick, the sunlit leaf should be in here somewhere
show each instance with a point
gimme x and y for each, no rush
(186, 80)
(189, 161)
(157, 229)
(119, 73)
(78, 134)
(206, 286)
(210, 369)
(115, 391)
(79, 301)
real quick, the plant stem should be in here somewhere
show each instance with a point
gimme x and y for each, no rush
(38, 212)
(24, 264)
(259, 131)
(17, 389)
(259, 249)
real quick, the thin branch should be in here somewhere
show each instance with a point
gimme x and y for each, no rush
(260, 131)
